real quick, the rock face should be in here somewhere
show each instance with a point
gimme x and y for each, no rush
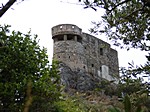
(78, 80)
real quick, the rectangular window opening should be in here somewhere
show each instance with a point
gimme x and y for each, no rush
(70, 37)
(79, 39)
(101, 51)
(92, 65)
(100, 69)
(60, 38)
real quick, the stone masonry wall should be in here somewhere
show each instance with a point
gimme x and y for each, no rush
(84, 52)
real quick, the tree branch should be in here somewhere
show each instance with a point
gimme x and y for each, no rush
(6, 7)
(117, 5)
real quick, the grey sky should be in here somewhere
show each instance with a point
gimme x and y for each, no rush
(41, 15)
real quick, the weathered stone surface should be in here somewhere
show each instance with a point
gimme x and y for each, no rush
(78, 80)
(85, 59)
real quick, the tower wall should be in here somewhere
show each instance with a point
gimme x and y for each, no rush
(82, 51)
(68, 46)
(66, 29)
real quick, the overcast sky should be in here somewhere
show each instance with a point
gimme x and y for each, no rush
(42, 15)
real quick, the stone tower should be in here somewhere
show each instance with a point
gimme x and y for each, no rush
(84, 52)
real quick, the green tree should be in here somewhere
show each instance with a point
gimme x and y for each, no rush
(23, 62)
(127, 23)
(126, 20)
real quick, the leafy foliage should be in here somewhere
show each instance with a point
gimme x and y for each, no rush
(135, 92)
(126, 20)
(22, 61)
(89, 101)
(69, 104)
(127, 24)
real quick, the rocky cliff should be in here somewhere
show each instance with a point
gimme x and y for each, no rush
(78, 80)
